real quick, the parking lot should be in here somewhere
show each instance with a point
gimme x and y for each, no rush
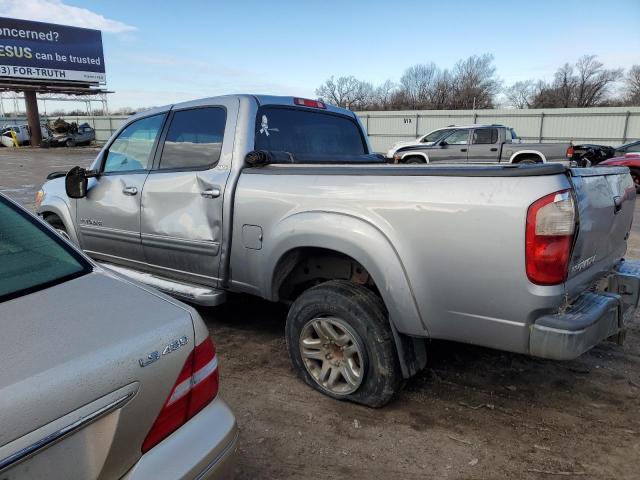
(473, 413)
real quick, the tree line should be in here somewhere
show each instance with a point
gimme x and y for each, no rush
(474, 83)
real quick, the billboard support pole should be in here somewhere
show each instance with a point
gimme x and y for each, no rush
(33, 117)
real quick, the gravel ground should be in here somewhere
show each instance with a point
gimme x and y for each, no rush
(473, 413)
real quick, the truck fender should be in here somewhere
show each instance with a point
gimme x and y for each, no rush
(530, 152)
(416, 154)
(362, 241)
(58, 206)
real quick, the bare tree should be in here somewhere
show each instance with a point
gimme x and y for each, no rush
(585, 84)
(475, 82)
(417, 83)
(443, 90)
(383, 95)
(632, 86)
(346, 92)
(593, 81)
(520, 94)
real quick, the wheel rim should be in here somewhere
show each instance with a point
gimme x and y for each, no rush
(332, 355)
(63, 233)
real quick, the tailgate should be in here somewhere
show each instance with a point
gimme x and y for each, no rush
(606, 199)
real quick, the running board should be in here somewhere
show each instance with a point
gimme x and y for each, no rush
(197, 294)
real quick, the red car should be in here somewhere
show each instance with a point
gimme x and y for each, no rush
(631, 160)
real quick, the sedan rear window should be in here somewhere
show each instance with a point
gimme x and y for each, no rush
(32, 257)
(306, 132)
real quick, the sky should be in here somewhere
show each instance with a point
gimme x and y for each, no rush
(159, 52)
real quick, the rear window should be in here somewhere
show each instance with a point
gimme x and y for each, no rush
(31, 256)
(306, 132)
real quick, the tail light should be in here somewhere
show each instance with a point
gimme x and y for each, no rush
(570, 151)
(304, 102)
(196, 387)
(551, 223)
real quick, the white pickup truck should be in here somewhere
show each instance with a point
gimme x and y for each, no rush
(281, 198)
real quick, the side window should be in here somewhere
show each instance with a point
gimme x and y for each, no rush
(132, 150)
(194, 138)
(485, 136)
(459, 137)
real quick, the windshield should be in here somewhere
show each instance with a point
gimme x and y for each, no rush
(435, 135)
(32, 257)
(306, 132)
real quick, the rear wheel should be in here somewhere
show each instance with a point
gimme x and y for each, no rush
(70, 142)
(529, 160)
(415, 160)
(340, 342)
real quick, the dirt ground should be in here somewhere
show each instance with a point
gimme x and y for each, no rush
(474, 413)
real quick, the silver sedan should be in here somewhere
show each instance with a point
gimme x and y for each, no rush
(101, 377)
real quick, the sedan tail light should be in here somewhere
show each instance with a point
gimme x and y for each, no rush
(551, 223)
(195, 388)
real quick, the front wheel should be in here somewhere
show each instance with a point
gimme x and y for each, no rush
(57, 224)
(340, 342)
(414, 160)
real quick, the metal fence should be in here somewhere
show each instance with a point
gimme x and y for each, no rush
(104, 126)
(603, 125)
(607, 125)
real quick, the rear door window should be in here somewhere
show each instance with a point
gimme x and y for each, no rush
(194, 139)
(31, 256)
(485, 136)
(307, 132)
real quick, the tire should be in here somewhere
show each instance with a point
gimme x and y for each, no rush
(360, 324)
(70, 143)
(414, 160)
(57, 224)
(529, 161)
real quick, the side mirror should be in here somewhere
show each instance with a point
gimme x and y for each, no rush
(75, 182)
(443, 143)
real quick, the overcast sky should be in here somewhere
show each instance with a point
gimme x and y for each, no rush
(159, 52)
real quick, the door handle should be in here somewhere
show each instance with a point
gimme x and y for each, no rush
(211, 193)
(493, 149)
(130, 191)
(463, 149)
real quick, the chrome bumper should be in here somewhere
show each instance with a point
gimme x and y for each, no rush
(592, 318)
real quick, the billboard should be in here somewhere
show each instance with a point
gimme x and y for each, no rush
(44, 51)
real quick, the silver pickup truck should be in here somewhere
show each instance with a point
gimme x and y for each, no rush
(280, 197)
(478, 144)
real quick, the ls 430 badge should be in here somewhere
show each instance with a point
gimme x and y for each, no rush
(167, 349)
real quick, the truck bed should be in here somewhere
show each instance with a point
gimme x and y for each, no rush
(460, 241)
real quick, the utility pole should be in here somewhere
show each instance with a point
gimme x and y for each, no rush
(33, 117)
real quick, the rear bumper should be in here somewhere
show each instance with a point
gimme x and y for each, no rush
(590, 319)
(203, 448)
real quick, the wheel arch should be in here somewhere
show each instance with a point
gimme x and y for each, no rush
(529, 154)
(355, 239)
(415, 154)
(53, 205)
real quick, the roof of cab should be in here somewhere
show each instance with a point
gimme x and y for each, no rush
(260, 99)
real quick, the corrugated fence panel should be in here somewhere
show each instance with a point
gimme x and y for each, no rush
(604, 125)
